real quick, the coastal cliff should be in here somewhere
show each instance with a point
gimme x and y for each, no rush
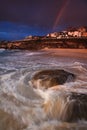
(43, 42)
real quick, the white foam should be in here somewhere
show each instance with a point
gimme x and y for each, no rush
(21, 103)
(1, 50)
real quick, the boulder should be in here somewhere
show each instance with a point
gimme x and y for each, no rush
(61, 104)
(66, 106)
(49, 78)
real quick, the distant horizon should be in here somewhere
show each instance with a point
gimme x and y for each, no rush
(16, 31)
(13, 34)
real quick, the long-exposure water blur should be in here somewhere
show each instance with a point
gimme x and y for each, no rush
(20, 106)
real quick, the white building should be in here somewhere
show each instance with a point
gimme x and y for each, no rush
(70, 33)
(74, 33)
(54, 35)
(29, 37)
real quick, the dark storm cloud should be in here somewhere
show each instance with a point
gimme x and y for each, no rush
(76, 13)
(40, 12)
(39, 16)
(14, 31)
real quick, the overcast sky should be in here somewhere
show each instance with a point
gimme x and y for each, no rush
(19, 18)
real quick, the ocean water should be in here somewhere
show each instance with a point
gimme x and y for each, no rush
(20, 106)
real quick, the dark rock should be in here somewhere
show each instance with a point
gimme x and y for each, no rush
(79, 107)
(50, 78)
(66, 106)
(41, 43)
(61, 104)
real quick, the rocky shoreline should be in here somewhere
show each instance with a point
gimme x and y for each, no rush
(42, 43)
(60, 103)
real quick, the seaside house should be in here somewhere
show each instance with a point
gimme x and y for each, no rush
(84, 34)
(52, 35)
(76, 34)
(70, 32)
(29, 37)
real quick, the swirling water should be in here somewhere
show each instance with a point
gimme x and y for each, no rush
(20, 106)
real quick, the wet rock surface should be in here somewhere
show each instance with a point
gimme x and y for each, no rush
(79, 106)
(68, 107)
(50, 78)
(60, 104)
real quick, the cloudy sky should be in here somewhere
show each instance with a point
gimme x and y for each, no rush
(19, 18)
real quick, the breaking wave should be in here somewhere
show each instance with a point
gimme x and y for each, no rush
(21, 107)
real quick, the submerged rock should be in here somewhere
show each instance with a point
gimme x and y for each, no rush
(65, 106)
(61, 104)
(49, 78)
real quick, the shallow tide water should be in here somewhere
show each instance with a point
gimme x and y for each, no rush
(20, 107)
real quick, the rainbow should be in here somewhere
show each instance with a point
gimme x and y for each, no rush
(61, 13)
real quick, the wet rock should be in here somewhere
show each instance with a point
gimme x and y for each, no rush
(66, 106)
(61, 104)
(79, 107)
(49, 78)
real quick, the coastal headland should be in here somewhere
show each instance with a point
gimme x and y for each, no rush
(43, 43)
(70, 38)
